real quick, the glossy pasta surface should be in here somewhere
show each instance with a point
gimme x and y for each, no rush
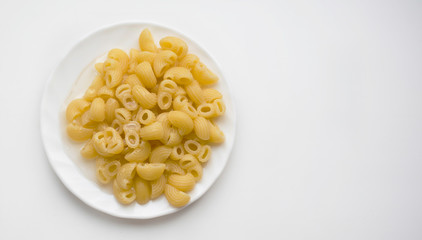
(147, 121)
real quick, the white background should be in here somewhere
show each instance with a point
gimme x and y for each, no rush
(329, 106)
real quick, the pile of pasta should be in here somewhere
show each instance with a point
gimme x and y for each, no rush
(149, 120)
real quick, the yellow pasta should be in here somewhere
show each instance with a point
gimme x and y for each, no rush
(142, 190)
(163, 61)
(174, 167)
(106, 169)
(146, 117)
(216, 135)
(113, 77)
(196, 171)
(133, 80)
(160, 154)
(206, 110)
(179, 75)
(76, 108)
(157, 187)
(146, 41)
(177, 152)
(131, 130)
(189, 61)
(110, 107)
(204, 75)
(123, 196)
(92, 91)
(189, 110)
(146, 75)
(173, 138)
(139, 154)
(179, 102)
(182, 121)
(211, 94)
(136, 57)
(88, 150)
(179, 92)
(164, 100)
(188, 161)
(184, 183)
(123, 115)
(167, 85)
(192, 147)
(219, 107)
(153, 131)
(150, 171)
(125, 175)
(201, 128)
(86, 120)
(100, 68)
(108, 142)
(121, 57)
(97, 110)
(144, 97)
(105, 93)
(176, 197)
(176, 45)
(195, 93)
(117, 125)
(124, 94)
(78, 133)
(204, 154)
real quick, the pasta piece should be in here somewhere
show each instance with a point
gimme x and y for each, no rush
(78, 133)
(153, 131)
(88, 151)
(108, 142)
(189, 61)
(206, 110)
(125, 175)
(219, 107)
(139, 154)
(123, 196)
(160, 154)
(177, 152)
(105, 93)
(97, 110)
(203, 75)
(106, 169)
(117, 125)
(92, 91)
(110, 107)
(100, 68)
(173, 138)
(86, 120)
(146, 75)
(188, 161)
(164, 100)
(189, 110)
(195, 93)
(163, 61)
(176, 45)
(121, 57)
(131, 130)
(192, 147)
(146, 41)
(157, 187)
(182, 121)
(179, 92)
(173, 167)
(179, 102)
(142, 190)
(101, 127)
(184, 183)
(123, 115)
(76, 108)
(150, 171)
(137, 57)
(145, 117)
(167, 86)
(111, 64)
(113, 77)
(179, 75)
(176, 197)
(205, 154)
(211, 94)
(201, 128)
(133, 80)
(196, 171)
(146, 99)
(216, 135)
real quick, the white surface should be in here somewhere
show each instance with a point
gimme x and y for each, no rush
(70, 80)
(328, 95)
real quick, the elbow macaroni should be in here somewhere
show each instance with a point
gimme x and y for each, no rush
(148, 121)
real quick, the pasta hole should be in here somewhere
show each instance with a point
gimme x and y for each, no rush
(169, 86)
(166, 45)
(205, 109)
(112, 168)
(179, 151)
(184, 80)
(194, 173)
(132, 139)
(145, 116)
(205, 153)
(192, 147)
(166, 99)
(129, 195)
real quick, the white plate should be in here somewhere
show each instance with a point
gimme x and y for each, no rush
(71, 78)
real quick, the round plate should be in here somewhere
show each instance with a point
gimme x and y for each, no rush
(72, 77)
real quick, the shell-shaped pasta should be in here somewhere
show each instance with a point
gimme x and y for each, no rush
(179, 75)
(196, 171)
(146, 41)
(123, 115)
(117, 125)
(189, 61)
(189, 110)
(177, 152)
(216, 135)
(120, 56)
(157, 187)
(142, 190)
(192, 147)
(201, 128)
(184, 183)
(97, 110)
(173, 138)
(123, 196)
(211, 94)
(110, 107)
(125, 175)
(145, 117)
(76, 108)
(146, 75)
(195, 93)
(150, 171)
(153, 131)
(113, 77)
(160, 154)
(219, 107)
(176, 45)
(204, 75)
(133, 80)
(164, 100)
(146, 99)
(167, 86)
(179, 102)
(188, 161)
(182, 121)
(122, 90)
(86, 120)
(205, 154)
(100, 68)
(131, 130)
(137, 57)
(108, 142)
(88, 151)
(176, 197)
(163, 61)
(111, 64)
(78, 133)
(105, 93)
(206, 110)
(139, 154)
(174, 167)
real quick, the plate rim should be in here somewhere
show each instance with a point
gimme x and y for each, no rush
(44, 105)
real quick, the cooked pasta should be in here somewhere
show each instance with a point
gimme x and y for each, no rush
(147, 120)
